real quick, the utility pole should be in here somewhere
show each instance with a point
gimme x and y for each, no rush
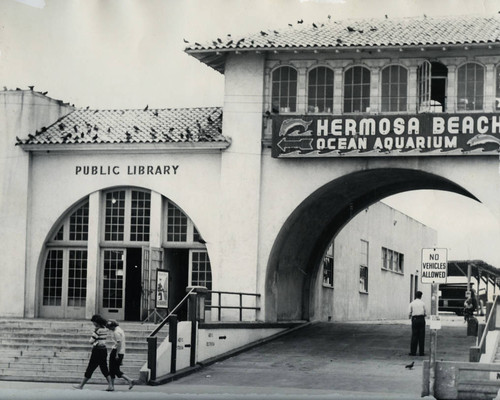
(432, 361)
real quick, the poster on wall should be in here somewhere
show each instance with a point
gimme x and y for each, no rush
(161, 288)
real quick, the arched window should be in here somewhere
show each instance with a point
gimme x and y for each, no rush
(470, 87)
(284, 90)
(497, 90)
(394, 88)
(320, 90)
(357, 90)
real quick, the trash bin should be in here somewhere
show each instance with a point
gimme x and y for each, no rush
(472, 326)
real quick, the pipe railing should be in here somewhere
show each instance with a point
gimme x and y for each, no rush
(153, 340)
(219, 307)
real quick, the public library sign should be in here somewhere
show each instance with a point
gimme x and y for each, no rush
(81, 170)
(385, 135)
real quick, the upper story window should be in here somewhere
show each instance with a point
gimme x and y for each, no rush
(320, 90)
(470, 87)
(357, 90)
(127, 215)
(394, 88)
(431, 85)
(284, 90)
(497, 90)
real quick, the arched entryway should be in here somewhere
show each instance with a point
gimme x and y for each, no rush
(121, 252)
(300, 245)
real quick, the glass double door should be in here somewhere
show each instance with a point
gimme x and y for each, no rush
(120, 293)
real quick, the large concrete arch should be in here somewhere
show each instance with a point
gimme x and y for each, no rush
(295, 256)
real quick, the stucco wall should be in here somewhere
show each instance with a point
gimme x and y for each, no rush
(21, 112)
(388, 292)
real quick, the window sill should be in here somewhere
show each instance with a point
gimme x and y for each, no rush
(326, 286)
(362, 292)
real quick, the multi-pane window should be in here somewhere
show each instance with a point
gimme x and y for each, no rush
(140, 216)
(328, 266)
(77, 279)
(201, 272)
(394, 88)
(320, 90)
(357, 90)
(177, 224)
(392, 260)
(470, 87)
(112, 294)
(60, 233)
(52, 278)
(284, 90)
(114, 226)
(79, 223)
(497, 90)
(363, 267)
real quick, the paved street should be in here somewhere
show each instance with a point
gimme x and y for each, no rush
(322, 361)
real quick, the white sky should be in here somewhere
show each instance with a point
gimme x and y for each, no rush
(129, 53)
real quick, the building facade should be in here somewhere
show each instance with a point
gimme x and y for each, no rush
(319, 123)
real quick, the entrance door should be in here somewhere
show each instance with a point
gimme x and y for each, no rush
(133, 285)
(64, 288)
(113, 279)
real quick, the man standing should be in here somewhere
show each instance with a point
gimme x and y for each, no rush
(417, 314)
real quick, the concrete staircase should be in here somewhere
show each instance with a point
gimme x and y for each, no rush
(59, 350)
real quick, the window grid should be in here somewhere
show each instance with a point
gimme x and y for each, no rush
(79, 223)
(394, 88)
(60, 233)
(363, 267)
(52, 279)
(357, 90)
(470, 90)
(284, 90)
(77, 279)
(115, 216)
(177, 224)
(392, 260)
(113, 281)
(140, 216)
(320, 90)
(201, 272)
(497, 92)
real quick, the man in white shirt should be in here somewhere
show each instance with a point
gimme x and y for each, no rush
(417, 313)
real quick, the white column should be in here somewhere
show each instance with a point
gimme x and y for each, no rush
(338, 86)
(155, 234)
(489, 88)
(93, 257)
(412, 89)
(374, 90)
(451, 90)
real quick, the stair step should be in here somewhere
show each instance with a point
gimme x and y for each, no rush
(59, 350)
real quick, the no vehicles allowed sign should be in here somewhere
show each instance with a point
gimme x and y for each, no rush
(434, 265)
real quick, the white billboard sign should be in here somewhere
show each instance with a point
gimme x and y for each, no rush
(434, 265)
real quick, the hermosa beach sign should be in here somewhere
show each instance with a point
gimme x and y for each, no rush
(418, 134)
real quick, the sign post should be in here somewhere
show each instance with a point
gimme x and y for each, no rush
(434, 271)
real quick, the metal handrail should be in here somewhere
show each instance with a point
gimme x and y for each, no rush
(486, 329)
(162, 323)
(221, 307)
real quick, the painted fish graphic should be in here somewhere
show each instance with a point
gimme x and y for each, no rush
(289, 124)
(483, 139)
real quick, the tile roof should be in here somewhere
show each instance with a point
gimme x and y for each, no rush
(421, 31)
(84, 126)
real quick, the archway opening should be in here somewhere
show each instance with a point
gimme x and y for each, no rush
(297, 252)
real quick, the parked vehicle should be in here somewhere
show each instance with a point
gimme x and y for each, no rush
(453, 296)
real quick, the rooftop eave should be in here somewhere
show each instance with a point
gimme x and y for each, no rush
(216, 58)
(129, 148)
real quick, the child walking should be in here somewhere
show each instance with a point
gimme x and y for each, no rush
(99, 355)
(117, 354)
